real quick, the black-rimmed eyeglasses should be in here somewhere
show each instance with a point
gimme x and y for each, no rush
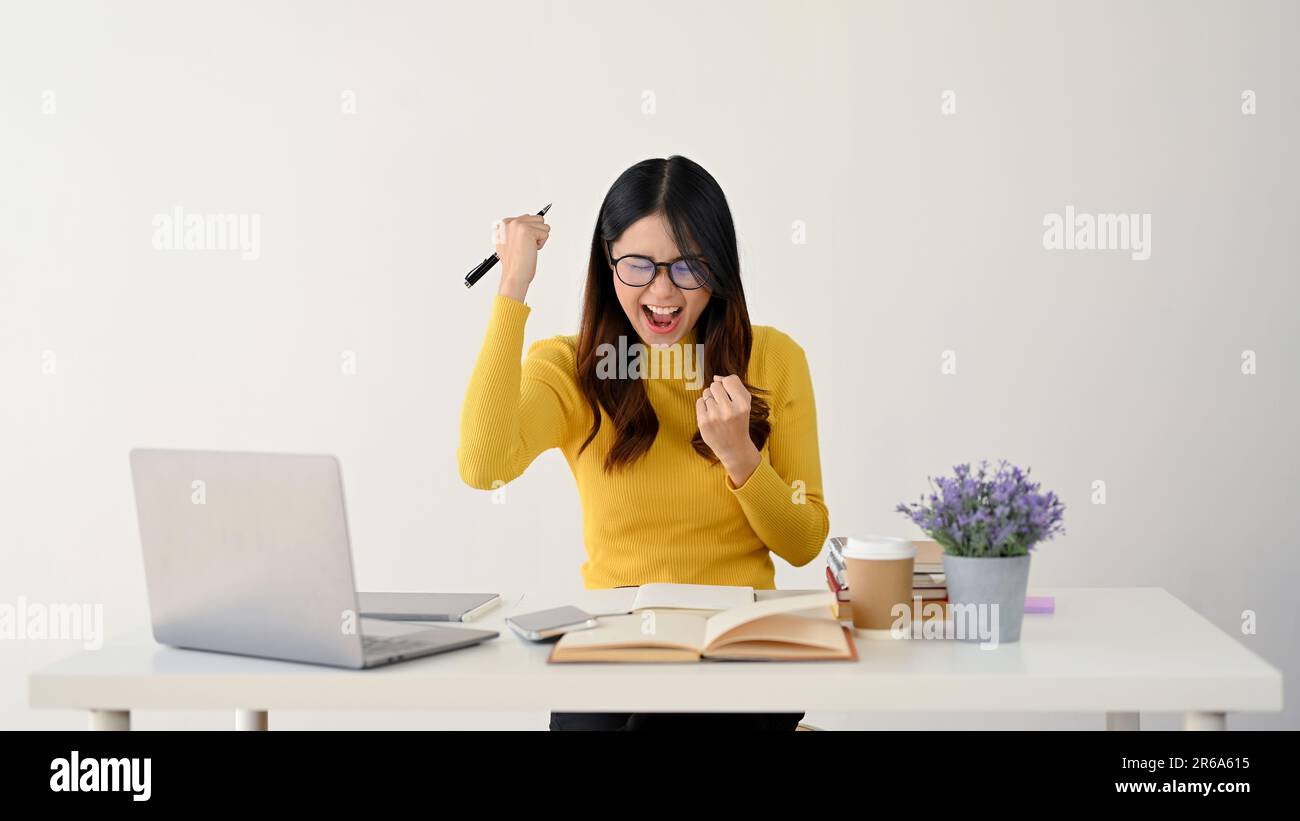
(636, 271)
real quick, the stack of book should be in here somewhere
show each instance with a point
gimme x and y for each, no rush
(927, 573)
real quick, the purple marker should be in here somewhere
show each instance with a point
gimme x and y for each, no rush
(1040, 604)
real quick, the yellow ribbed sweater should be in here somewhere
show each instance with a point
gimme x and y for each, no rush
(670, 516)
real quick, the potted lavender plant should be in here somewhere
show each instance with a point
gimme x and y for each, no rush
(987, 525)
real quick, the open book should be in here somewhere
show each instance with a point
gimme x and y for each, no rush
(669, 596)
(789, 628)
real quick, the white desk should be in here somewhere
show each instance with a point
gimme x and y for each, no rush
(1114, 650)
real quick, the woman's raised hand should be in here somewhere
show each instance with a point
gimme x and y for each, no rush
(722, 412)
(518, 239)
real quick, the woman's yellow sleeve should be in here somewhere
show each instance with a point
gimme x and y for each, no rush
(513, 411)
(782, 498)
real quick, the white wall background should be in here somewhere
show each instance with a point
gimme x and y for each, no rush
(923, 235)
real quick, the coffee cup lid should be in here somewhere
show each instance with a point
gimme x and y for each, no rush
(879, 547)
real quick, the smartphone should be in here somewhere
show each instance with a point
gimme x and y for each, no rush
(548, 624)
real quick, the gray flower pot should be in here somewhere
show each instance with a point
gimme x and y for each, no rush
(984, 582)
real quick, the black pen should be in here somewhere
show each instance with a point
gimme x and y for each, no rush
(486, 265)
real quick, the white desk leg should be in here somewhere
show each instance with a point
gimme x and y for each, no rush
(1123, 721)
(110, 720)
(250, 720)
(1205, 721)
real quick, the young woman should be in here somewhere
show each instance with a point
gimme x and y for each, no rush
(695, 473)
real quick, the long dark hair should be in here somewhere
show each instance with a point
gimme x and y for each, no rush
(696, 210)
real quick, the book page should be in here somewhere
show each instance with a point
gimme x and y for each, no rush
(792, 634)
(722, 622)
(812, 612)
(661, 595)
(659, 628)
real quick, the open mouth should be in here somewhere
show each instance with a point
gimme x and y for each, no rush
(661, 320)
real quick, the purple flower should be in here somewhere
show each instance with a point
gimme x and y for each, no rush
(976, 513)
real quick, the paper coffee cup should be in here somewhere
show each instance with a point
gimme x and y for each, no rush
(880, 576)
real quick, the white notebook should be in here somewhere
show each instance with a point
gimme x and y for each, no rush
(669, 596)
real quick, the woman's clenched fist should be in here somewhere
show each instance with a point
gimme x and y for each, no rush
(722, 413)
(518, 239)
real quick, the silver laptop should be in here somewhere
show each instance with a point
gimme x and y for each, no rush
(248, 553)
